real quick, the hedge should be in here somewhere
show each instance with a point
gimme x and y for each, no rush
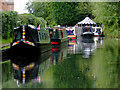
(31, 19)
(10, 18)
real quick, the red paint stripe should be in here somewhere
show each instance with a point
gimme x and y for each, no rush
(55, 42)
(73, 38)
(55, 49)
(26, 42)
(97, 35)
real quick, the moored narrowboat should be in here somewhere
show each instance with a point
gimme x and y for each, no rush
(71, 33)
(98, 31)
(87, 32)
(27, 37)
(57, 35)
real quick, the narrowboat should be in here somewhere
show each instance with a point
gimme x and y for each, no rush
(28, 37)
(71, 33)
(87, 32)
(98, 31)
(57, 35)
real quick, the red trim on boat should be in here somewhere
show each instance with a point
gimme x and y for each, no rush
(73, 38)
(97, 35)
(55, 42)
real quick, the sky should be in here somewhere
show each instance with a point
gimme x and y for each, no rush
(19, 6)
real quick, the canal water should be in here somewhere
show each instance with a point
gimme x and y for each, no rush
(92, 63)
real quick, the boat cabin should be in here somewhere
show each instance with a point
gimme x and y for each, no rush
(25, 34)
(87, 31)
(57, 35)
(98, 31)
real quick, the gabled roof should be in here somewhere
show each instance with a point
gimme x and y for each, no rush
(87, 20)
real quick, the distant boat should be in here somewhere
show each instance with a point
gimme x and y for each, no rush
(71, 33)
(87, 32)
(98, 31)
(57, 35)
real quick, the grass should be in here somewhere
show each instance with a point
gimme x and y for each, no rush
(6, 47)
(4, 62)
(4, 41)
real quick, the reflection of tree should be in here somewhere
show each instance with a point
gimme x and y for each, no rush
(104, 65)
(6, 69)
(68, 75)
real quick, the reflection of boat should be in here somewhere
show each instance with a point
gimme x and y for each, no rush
(87, 32)
(98, 31)
(98, 41)
(71, 46)
(57, 35)
(58, 54)
(24, 73)
(87, 47)
(28, 36)
(71, 33)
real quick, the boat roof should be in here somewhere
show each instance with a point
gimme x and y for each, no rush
(96, 27)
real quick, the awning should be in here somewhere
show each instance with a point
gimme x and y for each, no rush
(87, 20)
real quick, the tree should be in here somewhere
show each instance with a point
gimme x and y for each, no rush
(107, 14)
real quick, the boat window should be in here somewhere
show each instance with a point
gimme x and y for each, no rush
(42, 36)
(17, 35)
(98, 30)
(87, 29)
(28, 36)
(39, 36)
(93, 29)
(51, 34)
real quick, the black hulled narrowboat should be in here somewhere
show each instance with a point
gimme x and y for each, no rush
(27, 37)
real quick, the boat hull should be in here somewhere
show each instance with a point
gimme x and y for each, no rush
(23, 48)
(87, 35)
(55, 41)
(98, 35)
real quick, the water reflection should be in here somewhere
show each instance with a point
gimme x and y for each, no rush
(84, 46)
(25, 69)
(66, 67)
(25, 74)
(58, 55)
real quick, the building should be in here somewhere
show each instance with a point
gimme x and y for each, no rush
(6, 5)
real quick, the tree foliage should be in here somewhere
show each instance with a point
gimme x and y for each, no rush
(31, 19)
(63, 13)
(9, 21)
(41, 9)
(10, 18)
(106, 13)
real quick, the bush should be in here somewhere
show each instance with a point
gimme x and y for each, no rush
(10, 18)
(9, 21)
(31, 19)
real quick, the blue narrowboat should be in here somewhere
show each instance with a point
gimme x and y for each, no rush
(71, 33)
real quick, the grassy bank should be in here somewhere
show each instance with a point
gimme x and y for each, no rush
(4, 41)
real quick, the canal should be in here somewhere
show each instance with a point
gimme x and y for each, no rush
(77, 64)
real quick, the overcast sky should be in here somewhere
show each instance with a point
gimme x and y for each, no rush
(19, 6)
